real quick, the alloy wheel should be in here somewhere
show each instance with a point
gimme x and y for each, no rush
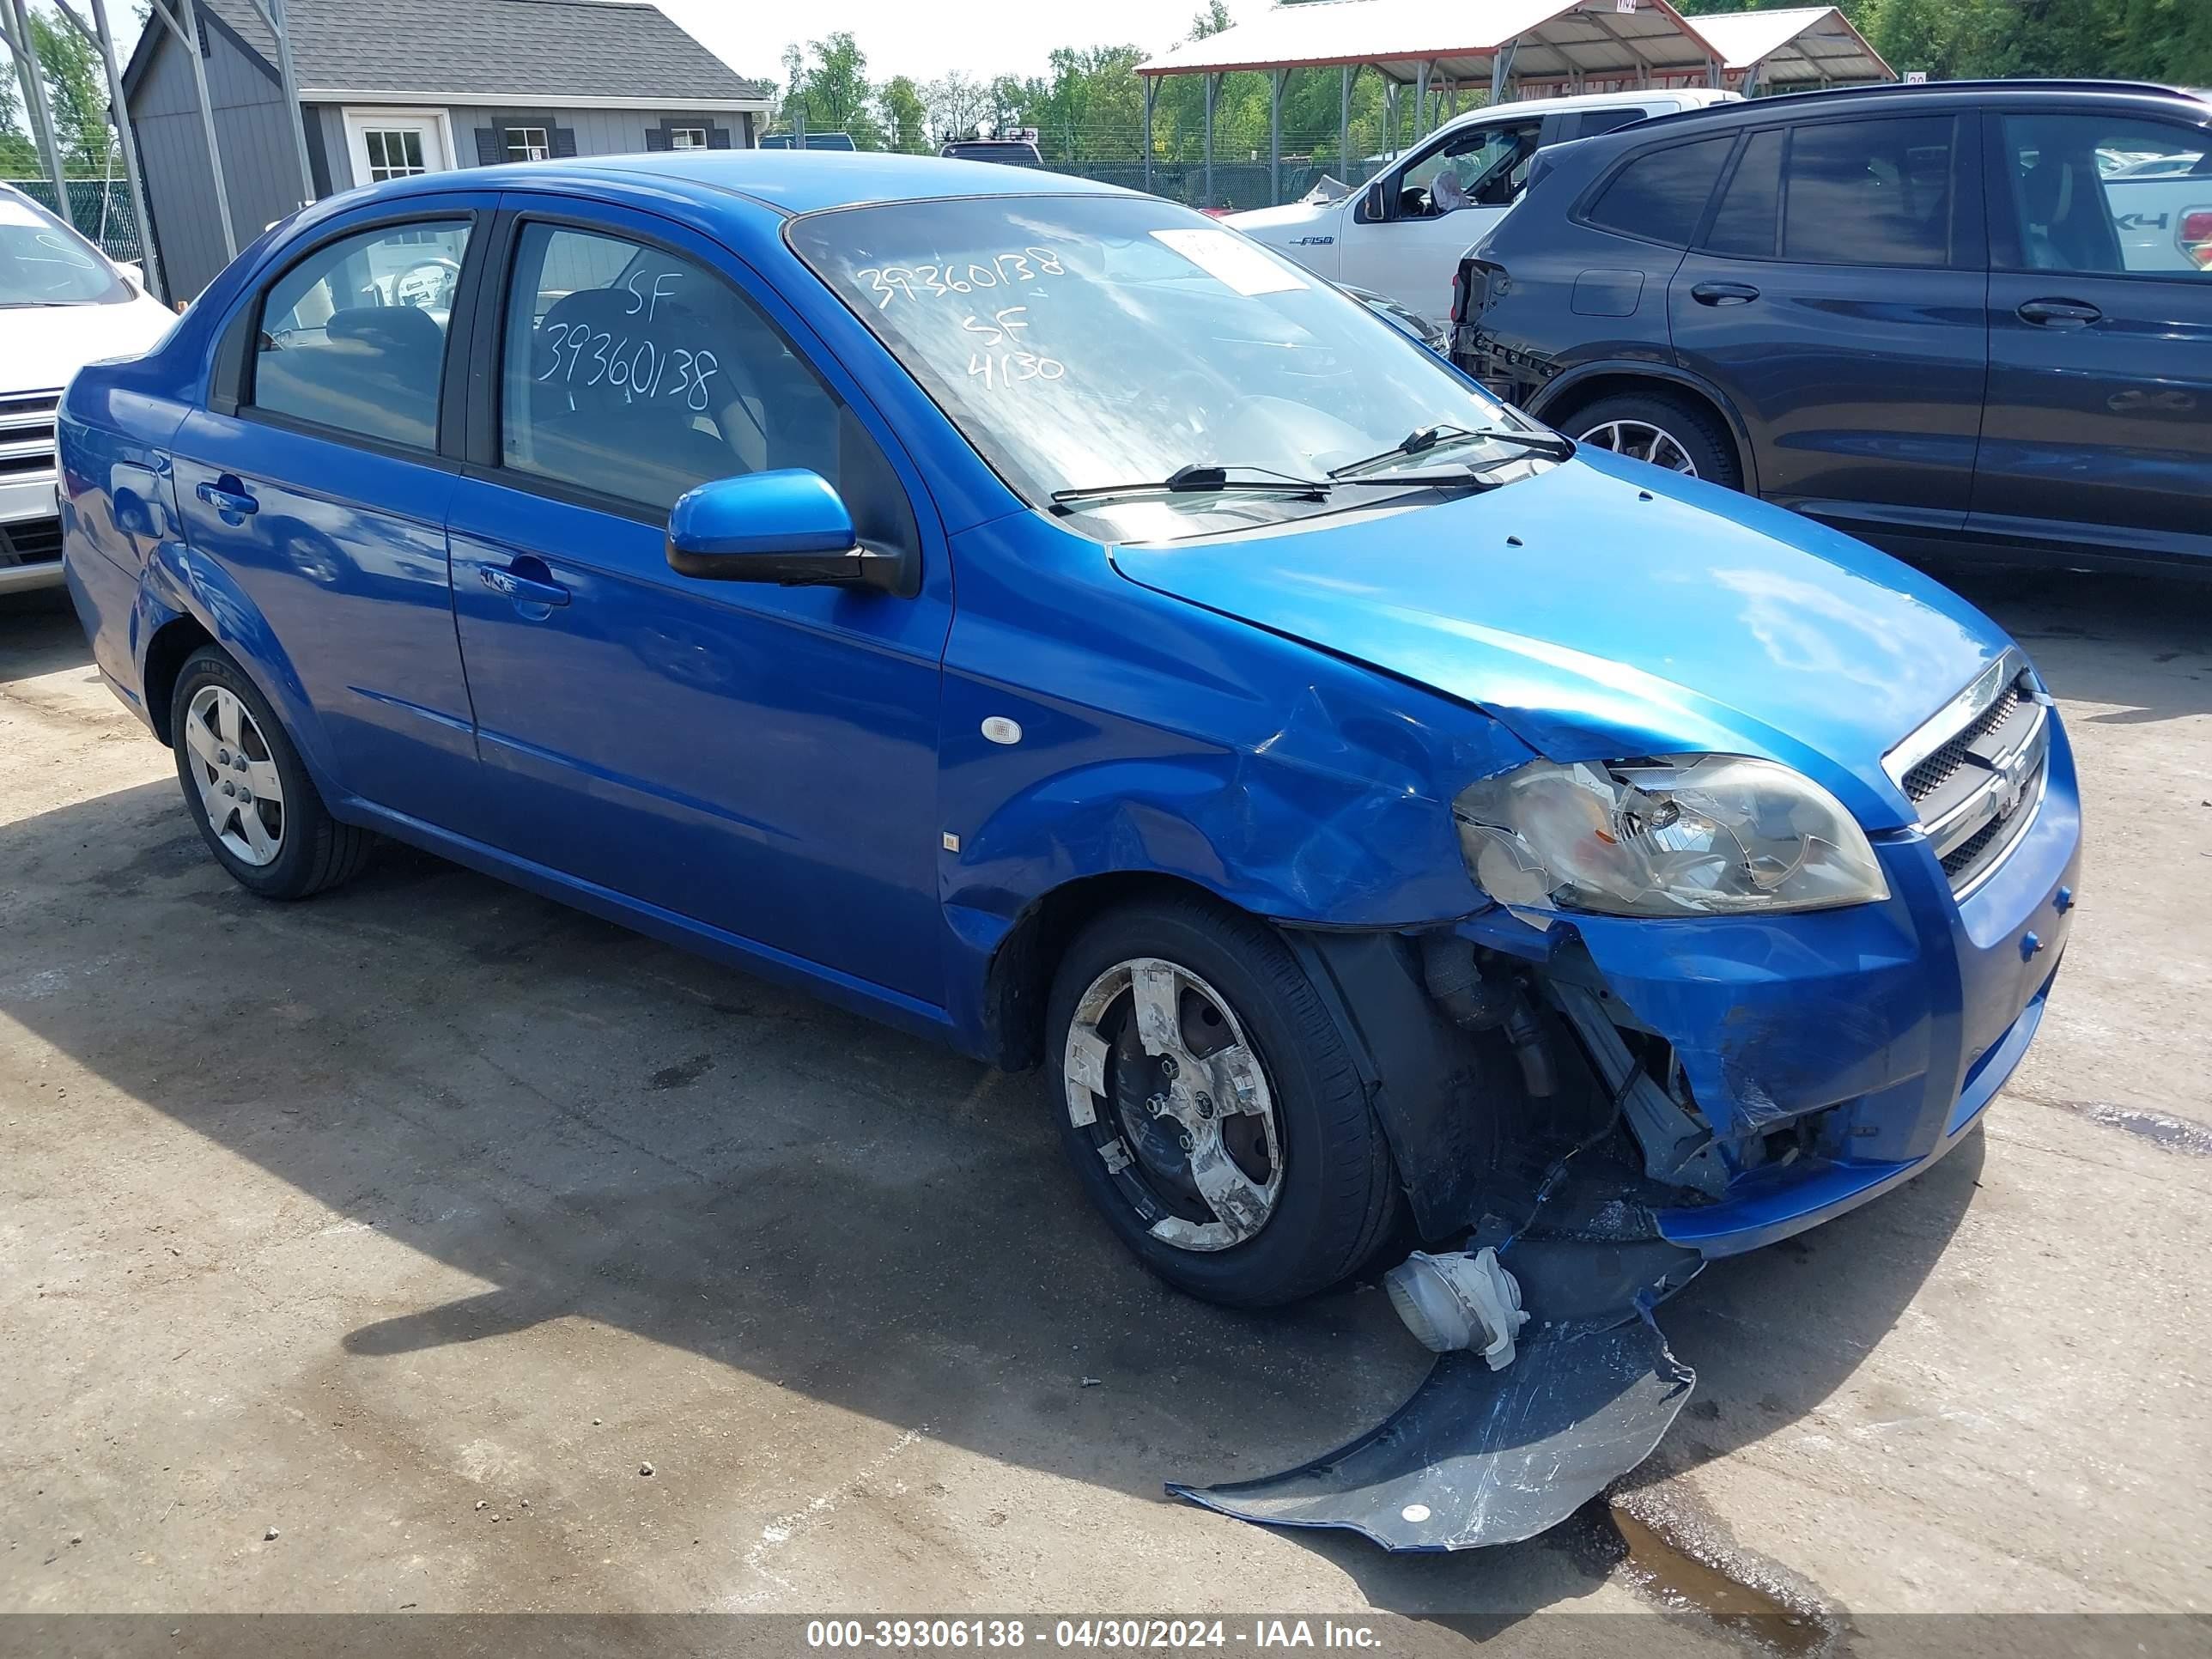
(1159, 1070)
(241, 789)
(1640, 441)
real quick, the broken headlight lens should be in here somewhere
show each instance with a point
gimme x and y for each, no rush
(1673, 835)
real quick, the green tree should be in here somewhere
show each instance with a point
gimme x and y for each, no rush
(77, 93)
(17, 160)
(831, 89)
(906, 116)
(956, 105)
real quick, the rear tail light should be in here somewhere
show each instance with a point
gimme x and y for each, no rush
(2195, 236)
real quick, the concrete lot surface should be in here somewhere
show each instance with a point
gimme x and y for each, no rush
(364, 1254)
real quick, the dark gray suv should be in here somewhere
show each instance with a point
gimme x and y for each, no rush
(1957, 317)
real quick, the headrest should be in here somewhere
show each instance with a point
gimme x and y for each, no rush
(388, 328)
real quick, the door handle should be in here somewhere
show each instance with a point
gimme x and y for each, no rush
(2059, 313)
(1723, 293)
(521, 588)
(227, 496)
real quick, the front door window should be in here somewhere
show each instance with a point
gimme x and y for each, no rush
(2102, 195)
(1483, 167)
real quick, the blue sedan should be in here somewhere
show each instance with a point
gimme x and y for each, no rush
(1036, 615)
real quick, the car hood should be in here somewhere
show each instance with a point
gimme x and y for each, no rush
(1292, 219)
(41, 346)
(1601, 608)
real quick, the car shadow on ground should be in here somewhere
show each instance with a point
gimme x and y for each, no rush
(597, 1126)
(39, 635)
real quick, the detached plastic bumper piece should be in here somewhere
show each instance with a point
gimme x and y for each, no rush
(1480, 1456)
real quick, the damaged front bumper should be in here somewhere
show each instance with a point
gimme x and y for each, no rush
(1707, 1085)
(1829, 1057)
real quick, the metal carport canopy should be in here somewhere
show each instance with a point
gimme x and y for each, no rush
(1805, 46)
(1458, 41)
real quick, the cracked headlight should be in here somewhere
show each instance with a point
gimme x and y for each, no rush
(1673, 835)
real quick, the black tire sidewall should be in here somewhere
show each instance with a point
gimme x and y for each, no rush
(1700, 437)
(1337, 1178)
(291, 874)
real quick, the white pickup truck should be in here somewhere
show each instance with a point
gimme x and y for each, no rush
(1404, 234)
(62, 303)
(2161, 208)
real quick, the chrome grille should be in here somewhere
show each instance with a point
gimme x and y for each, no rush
(1975, 771)
(1940, 768)
(27, 432)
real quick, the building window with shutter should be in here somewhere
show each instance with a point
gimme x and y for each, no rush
(528, 144)
(687, 137)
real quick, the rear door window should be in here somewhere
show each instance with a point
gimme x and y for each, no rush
(1878, 192)
(1660, 195)
(353, 338)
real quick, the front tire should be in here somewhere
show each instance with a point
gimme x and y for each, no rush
(245, 786)
(1210, 1107)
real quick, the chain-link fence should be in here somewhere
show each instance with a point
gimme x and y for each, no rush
(1328, 127)
(100, 208)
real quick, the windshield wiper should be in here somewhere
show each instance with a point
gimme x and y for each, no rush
(1423, 439)
(1199, 479)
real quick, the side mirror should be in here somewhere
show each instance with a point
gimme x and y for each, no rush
(1375, 208)
(789, 527)
(133, 273)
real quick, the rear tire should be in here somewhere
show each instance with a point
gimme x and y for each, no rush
(245, 786)
(1671, 432)
(1312, 1191)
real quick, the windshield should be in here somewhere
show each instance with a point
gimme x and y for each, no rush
(44, 263)
(1091, 341)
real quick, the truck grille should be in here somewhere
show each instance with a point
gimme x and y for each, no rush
(1976, 771)
(27, 432)
(35, 541)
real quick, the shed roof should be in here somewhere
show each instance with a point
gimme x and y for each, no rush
(1794, 47)
(590, 53)
(1458, 39)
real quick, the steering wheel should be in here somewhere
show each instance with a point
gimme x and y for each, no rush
(426, 284)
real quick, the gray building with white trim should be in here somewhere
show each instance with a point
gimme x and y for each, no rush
(390, 88)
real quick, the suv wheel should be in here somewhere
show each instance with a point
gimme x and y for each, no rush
(1210, 1107)
(1669, 432)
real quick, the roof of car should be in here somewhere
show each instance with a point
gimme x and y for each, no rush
(1908, 95)
(1692, 98)
(788, 181)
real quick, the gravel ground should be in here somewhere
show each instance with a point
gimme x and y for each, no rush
(365, 1254)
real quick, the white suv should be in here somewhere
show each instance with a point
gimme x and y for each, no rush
(1403, 235)
(62, 304)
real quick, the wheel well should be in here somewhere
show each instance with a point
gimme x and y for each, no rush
(165, 659)
(1019, 982)
(1583, 393)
